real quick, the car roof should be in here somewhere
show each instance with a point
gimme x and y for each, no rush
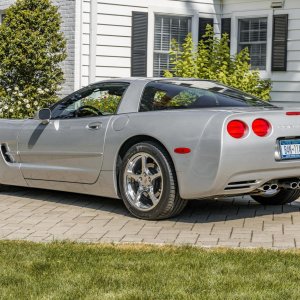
(148, 79)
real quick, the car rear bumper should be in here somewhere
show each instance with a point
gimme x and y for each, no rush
(223, 165)
(233, 183)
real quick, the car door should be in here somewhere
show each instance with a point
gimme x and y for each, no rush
(70, 147)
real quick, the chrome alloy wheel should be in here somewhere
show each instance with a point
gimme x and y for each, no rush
(143, 181)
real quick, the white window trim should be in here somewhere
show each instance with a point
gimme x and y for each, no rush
(153, 10)
(78, 45)
(235, 17)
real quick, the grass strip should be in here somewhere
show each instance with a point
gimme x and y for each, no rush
(65, 270)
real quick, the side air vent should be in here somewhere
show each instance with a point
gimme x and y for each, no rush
(7, 156)
(240, 185)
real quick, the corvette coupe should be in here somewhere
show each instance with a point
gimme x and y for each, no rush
(156, 143)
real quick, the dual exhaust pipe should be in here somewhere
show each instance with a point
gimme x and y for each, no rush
(292, 185)
(269, 187)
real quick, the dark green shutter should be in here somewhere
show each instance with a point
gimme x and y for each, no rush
(202, 26)
(226, 27)
(2, 17)
(279, 43)
(139, 44)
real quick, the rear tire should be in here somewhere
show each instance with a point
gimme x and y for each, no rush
(148, 184)
(282, 197)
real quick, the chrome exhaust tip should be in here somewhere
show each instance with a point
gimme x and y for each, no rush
(290, 185)
(274, 187)
(294, 185)
(266, 187)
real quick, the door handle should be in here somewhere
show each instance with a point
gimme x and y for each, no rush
(94, 125)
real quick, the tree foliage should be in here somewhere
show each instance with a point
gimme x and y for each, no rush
(212, 60)
(107, 104)
(31, 50)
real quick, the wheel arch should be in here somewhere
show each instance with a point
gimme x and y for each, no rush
(128, 144)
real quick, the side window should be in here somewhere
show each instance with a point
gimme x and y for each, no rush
(103, 99)
(158, 96)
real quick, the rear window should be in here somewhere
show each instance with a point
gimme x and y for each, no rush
(188, 94)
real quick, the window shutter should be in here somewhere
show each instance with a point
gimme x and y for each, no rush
(202, 26)
(279, 43)
(139, 44)
(226, 28)
(2, 18)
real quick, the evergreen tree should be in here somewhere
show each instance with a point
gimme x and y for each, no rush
(31, 50)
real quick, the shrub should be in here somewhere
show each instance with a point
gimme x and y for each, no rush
(31, 50)
(105, 103)
(212, 60)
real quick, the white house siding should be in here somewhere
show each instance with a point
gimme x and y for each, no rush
(286, 85)
(4, 4)
(106, 33)
(98, 36)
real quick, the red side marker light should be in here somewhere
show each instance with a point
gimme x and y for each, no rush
(237, 129)
(261, 127)
(293, 113)
(182, 150)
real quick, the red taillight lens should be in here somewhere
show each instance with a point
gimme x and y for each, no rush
(261, 127)
(237, 129)
(293, 113)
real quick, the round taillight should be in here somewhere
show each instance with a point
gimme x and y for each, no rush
(237, 129)
(261, 127)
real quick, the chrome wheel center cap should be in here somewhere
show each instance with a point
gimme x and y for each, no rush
(145, 180)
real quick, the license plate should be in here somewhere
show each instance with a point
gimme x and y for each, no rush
(289, 149)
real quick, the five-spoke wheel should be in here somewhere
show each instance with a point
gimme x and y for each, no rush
(143, 181)
(148, 182)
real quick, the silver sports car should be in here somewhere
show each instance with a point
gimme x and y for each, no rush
(156, 143)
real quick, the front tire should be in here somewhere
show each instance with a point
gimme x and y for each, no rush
(148, 184)
(282, 197)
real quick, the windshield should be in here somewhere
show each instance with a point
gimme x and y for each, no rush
(180, 94)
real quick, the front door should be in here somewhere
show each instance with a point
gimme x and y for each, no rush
(70, 147)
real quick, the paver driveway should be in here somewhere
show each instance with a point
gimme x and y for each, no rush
(40, 215)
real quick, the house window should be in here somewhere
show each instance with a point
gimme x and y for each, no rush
(167, 28)
(253, 35)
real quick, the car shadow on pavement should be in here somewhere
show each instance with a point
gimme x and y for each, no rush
(234, 208)
(108, 205)
(197, 211)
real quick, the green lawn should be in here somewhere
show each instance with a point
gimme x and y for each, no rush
(80, 271)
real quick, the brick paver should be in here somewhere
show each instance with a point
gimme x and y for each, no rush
(40, 215)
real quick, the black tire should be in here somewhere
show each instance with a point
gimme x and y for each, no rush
(282, 197)
(170, 204)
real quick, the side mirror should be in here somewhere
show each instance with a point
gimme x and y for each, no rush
(44, 115)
